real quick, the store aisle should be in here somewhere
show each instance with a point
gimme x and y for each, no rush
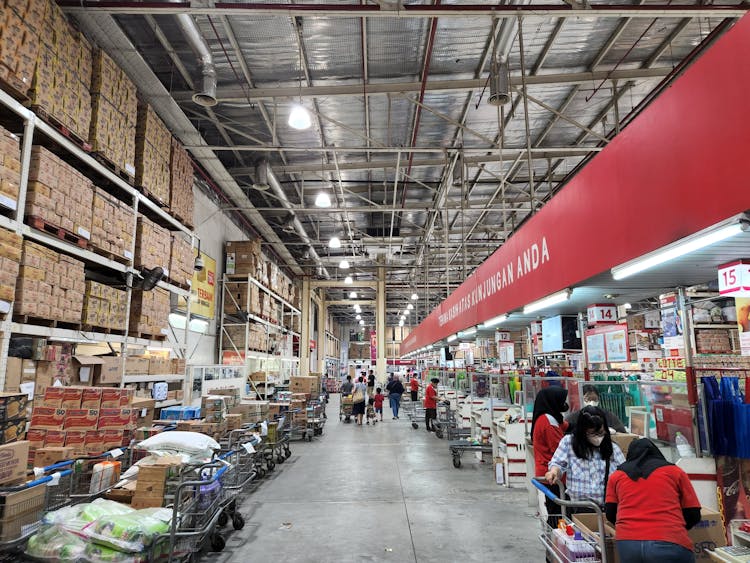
(382, 493)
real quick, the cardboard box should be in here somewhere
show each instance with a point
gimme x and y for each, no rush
(91, 398)
(153, 477)
(46, 456)
(13, 460)
(110, 371)
(116, 398)
(47, 418)
(112, 439)
(590, 527)
(17, 372)
(36, 438)
(145, 432)
(136, 365)
(52, 397)
(234, 421)
(76, 439)
(139, 502)
(115, 419)
(72, 397)
(86, 368)
(94, 442)
(54, 438)
(144, 409)
(623, 440)
(157, 366)
(123, 494)
(83, 419)
(13, 405)
(12, 430)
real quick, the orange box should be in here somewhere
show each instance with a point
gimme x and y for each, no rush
(94, 441)
(71, 397)
(54, 439)
(76, 439)
(36, 437)
(53, 397)
(116, 398)
(81, 419)
(112, 439)
(46, 417)
(115, 419)
(91, 398)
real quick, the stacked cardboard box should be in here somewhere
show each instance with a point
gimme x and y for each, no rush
(50, 285)
(10, 168)
(114, 113)
(178, 365)
(309, 385)
(104, 306)
(181, 260)
(59, 194)
(251, 411)
(152, 245)
(153, 146)
(181, 201)
(239, 298)
(62, 77)
(244, 257)
(159, 365)
(153, 478)
(21, 23)
(10, 258)
(112, 225)
(149, 312)
(214, 408)
(12, 417)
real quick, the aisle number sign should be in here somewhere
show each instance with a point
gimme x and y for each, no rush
(601, 314)
(734, 279)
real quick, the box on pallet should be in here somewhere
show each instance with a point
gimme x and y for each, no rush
(181, 201)
(180, 413)
(149, 312)
(153, 144)
(111, 225)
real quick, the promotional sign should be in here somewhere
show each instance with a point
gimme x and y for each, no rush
(734, 279)
(601, 314)
(506, 352)
(608, 344)
(671, 323)
(373, 346)
(742, 304)
(670, 369)
(202, 291)
(661, 158)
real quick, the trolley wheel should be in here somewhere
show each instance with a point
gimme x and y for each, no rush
(456, 461)
(223, 519)
(439, 433)
(261, 472)
(217, 542)
(341, 418)
(271, 465)
(308, 437)
(287, 453)
(414, 425)
(238, 522)
(280, 459)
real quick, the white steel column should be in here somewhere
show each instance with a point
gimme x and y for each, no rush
(322, 334)
(304, 339)
(380, 325)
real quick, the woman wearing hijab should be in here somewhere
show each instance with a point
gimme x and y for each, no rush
(652, 504)
(547, 429)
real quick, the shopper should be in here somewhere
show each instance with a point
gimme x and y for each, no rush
(430, 404)
(395, 390)
(547, 429)
(652, 504)
(370, 384)
(587, 457)
(591, 399)
(378, 402)
(347, 387)
(359, 400)
(414, 388)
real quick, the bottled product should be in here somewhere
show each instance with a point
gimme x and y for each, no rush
(683, 446)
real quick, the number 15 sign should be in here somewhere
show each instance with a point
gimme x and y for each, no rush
(734, 279)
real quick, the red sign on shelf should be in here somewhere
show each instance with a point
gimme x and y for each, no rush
(734, 279)
(598, 314)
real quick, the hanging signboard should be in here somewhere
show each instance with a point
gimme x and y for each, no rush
(671, 324)
(608, 344)
(598, 314)
(202, 290)
(506, 352)
(373, 346)
(742, 304)
(734, 279)
(502, 336)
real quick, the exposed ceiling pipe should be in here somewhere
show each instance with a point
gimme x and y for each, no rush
(205, 89)
(263, 170)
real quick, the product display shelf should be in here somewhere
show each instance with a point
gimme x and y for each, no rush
(37, 131)
(509, 448)
(168, 403)
(153, 378)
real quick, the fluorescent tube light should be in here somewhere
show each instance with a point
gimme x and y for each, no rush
(452, 337)
(549, 301)
(494, 321)
(677, 249)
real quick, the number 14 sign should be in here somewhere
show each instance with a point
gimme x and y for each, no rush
(734, 279)
(599, 314)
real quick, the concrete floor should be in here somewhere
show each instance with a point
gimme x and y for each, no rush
(382, 493)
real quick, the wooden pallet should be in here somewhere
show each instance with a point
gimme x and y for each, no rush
(177, 284)
(13, 85)
(108, 254)
(161, 203)
(63, 234)
(187, 222)
(102, 329)
(117, 170)
(63, 129)
(37, 321)
(136, 334)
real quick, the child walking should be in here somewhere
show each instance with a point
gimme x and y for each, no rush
(378, 402)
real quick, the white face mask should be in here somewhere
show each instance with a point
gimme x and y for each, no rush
(591, 403)
(596, 441)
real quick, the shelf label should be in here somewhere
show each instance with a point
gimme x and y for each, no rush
(127, 254)
(130, 169)
(601, 314)
(83, 233)
(734, 279)
(5, 201)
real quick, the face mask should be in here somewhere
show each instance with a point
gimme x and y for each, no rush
(591, 403)
(596, 441)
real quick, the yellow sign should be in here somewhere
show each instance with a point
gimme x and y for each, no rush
(203, 290)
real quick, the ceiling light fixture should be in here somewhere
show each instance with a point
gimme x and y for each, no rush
(335, 242)
(323, 200)
(410, 307)
(358, 308)
(414, 296)
(680, 248)
(549, 301)
(299, 117)
(494, 321)
(344, 264)
(400, 323)
(627, 306)
(407, 312)
(352, 294)
(348, 280)
(358, 317)
(361, 323)
(467, 332)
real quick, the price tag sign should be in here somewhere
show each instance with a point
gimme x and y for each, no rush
(598, 314)
(502, 336)
(734, 279)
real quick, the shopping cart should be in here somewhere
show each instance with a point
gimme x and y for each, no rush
(276, 444)
(298, 425)
(446, 424)
(316, 418)
(88, 481)
(557, 541)
(345, 408)
(416, 415)
(459, 447)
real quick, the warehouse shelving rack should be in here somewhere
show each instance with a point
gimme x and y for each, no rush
(12, 218)
(284, 360)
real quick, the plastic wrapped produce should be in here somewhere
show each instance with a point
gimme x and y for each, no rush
(132, 532)
(75, 518)
(103, 507)
(55, 545)
(96, 553)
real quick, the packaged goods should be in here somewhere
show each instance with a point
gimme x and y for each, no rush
(132, 532)
(95, 553)
(105, 474)
(181, 201)
(55, 544)
(13, 459)
(187, 442)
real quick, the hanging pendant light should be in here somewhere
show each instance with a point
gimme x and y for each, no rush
(414, 296)
(352, 295)
(409, 307)
(299, 117)
(335, 242)
(323, 200)
(348, 280)
(344, 264)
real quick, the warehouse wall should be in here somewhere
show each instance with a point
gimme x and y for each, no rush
(213, 228)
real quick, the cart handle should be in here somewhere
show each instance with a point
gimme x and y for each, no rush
(543, 488)
(47, 479)
(58, 465)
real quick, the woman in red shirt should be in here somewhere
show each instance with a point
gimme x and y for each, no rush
(414, 387)
(430, 404)
(652, 504)
(547, 429)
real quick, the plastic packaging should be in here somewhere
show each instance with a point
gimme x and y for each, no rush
(56, 545)
(103, 507)
(132, 532)
(683, 446)
(188, 442)
(95, 553)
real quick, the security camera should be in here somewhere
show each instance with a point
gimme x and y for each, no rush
(199, 265)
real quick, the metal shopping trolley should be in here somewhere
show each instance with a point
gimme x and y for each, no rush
(459, 447)
(446, 424)
(558, 542)
(345, 408)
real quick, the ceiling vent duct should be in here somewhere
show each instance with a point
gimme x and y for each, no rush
(261, 177)
(499, 84)
(205, 89)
